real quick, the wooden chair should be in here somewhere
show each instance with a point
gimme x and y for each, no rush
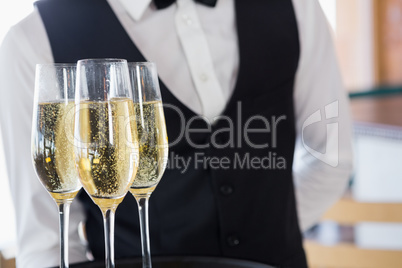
(347, 255)
(7, 258)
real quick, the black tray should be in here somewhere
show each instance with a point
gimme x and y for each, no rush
(178, 262)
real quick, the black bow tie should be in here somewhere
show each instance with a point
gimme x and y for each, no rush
(165, 3)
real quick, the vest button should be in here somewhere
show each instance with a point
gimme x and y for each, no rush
(226, 189)
(221, 140)
(233, 241)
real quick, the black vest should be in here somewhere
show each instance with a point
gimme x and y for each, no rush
(244, 209)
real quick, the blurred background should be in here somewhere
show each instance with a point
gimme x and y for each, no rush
(364, 229)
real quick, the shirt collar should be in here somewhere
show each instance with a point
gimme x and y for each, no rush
(135, 8)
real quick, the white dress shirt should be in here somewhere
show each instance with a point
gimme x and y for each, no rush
(197, 56)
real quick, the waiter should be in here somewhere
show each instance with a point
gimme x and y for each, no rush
(254, 106)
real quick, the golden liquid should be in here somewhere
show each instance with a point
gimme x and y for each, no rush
(142, 192)
(64, 196)
(153, 144)
(107, 152)
(105, 203)
(53, 149)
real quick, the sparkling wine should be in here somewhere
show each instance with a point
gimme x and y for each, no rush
(107, 151)
(153, 144)
(53, 149)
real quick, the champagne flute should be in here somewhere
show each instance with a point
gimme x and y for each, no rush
(153, 143)
(105, 137)
(52, 140)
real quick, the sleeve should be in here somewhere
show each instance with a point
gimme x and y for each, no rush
(323, 154)
(24, 46)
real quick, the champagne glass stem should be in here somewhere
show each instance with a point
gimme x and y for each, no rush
(64, 214)
(108, 222)
(144, 223)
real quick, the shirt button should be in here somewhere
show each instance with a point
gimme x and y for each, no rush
(233, 240)
(204, 77)
(226, 189)
(187, 20)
